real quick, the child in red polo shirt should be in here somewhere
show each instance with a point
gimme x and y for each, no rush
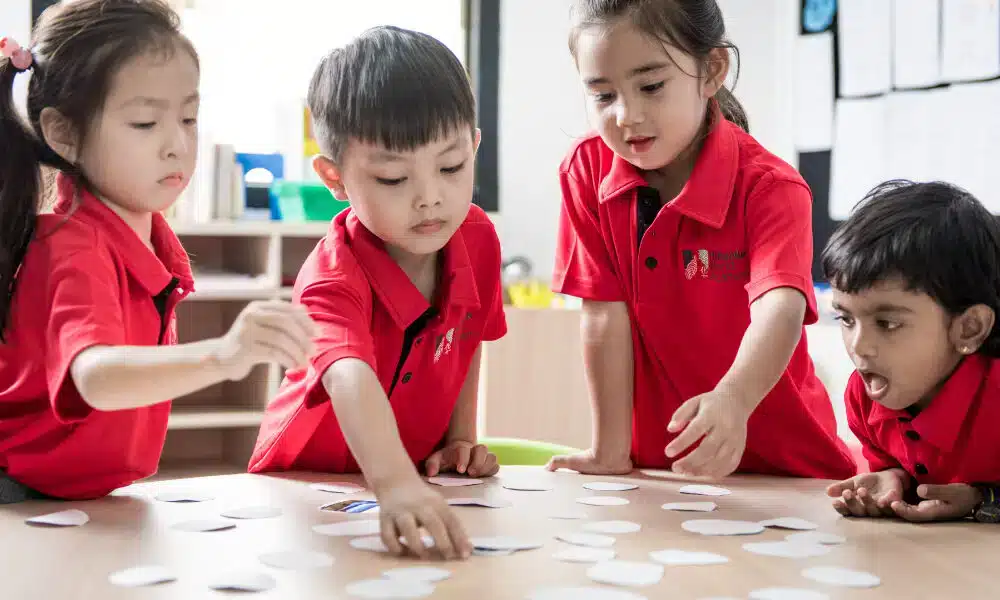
(87, 327)
(915, 273)
(405, 287)
(691, 246)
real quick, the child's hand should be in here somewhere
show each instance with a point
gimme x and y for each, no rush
(588, 463)
(869, 494)
(273, 331)
(406, 508)
(471, 459)
(940, 503)
(719, 419)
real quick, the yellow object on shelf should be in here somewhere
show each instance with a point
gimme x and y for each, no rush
(531, 294)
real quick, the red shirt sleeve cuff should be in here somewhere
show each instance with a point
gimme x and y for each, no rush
(315, 392)
(756, 289)
(67, 403)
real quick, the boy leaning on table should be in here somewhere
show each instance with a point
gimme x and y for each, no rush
(915, 273)
(404, 288)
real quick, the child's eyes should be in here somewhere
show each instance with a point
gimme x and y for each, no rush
(653, 87)
(190, 122)
(845, 320)
(888, 325)
(390, 182)
(453, 170)
(604, 97)
(144, 126)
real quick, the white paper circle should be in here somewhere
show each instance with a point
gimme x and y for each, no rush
(504, 543)
(389, 589)
(794, 523)
(581, 554)
(371, 543)
(842, 577)
(243, 581)
(679, 558)
(816, 537)
(63, 518)
(690, 506)
(612, 527)
(203, 525)
(182, 496)
(704, 490)
(454, 481)
(623, 572)
(418, 574)
(787, 594)
(252, 512)
(787, 549)
(609, 486)
(602, 501)
(722, 527)
(141, 576)
(590, 540)
(582, 593)
(297, 559)
(338, 488)
(348, 528)
(527, 486)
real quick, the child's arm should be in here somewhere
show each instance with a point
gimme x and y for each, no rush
(461, 452)
(369, 427)
(721, 415)
(123, 377)
(608, 361)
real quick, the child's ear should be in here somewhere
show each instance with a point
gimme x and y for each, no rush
(329, 174)
(59, 134)
(476, 139)
(971, 328)
(716, 71)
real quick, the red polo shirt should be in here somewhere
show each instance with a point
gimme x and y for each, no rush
(688, 272)
(367, 308)
(87, 280)
(953, 440)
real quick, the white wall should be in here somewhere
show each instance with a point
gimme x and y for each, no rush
(542, 106)
(15, 22)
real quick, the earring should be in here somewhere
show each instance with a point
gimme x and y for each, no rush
(965, 350)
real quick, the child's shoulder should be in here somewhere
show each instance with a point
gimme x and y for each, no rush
(588, 156)
(64, 237)
(480, 236)
(758, 166)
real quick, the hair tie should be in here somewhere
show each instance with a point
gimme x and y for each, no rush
(19, 57)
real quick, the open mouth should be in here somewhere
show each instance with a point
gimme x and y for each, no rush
(640, 144)
(876, 385)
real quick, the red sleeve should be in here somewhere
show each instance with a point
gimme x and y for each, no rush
(780, 240)
(83, 293)
(343, 316)
(858, 406)
(583, 264)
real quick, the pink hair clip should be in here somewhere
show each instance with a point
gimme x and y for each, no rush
(19, 57)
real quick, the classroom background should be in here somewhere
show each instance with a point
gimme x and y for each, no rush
(851, 92)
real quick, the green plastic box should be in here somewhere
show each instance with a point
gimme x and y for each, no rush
(302, 201)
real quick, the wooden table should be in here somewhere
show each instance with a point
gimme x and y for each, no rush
(130, 528)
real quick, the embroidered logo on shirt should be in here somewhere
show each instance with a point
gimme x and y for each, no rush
(443, 344)
(716, 266)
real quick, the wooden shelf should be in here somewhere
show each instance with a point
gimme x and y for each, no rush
(214, 417)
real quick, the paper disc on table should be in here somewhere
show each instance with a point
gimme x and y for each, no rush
(582, 593)
(297, 559)
(591, 540)
(63, 518)
(816, 537)
(624, 572)
(569, 514)
(790, 523)
(842, 577)
(690, 506)
(417, 574)
(609, 486)
(183, 496)
(722, 527)
(338, 488)
(484, 502)
(454, 481)
(704, 490)
(252, 512)
(678, 558)
(489, 552)
(787, 549)
(658, 473)
(371, 543)
(243, 581)
(141, 576)
(526, 485)
(612, 527)
(204, 525)
(504, 543)
(389, 589)
(787, 594)
(348, 528)
(602, 501)
(582, 554)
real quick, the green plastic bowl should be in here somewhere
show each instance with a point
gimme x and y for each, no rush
(513, 451)
(300, 201)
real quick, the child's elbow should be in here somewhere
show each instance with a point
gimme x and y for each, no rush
(88, 378)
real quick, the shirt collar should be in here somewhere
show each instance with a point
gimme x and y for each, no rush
(941, 422)
(393, 287)
(708, 192)
(153, 270)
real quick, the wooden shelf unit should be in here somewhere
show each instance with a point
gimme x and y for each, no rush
(234, 263)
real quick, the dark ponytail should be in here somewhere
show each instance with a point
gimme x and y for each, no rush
(693, 26)
(77, 49)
